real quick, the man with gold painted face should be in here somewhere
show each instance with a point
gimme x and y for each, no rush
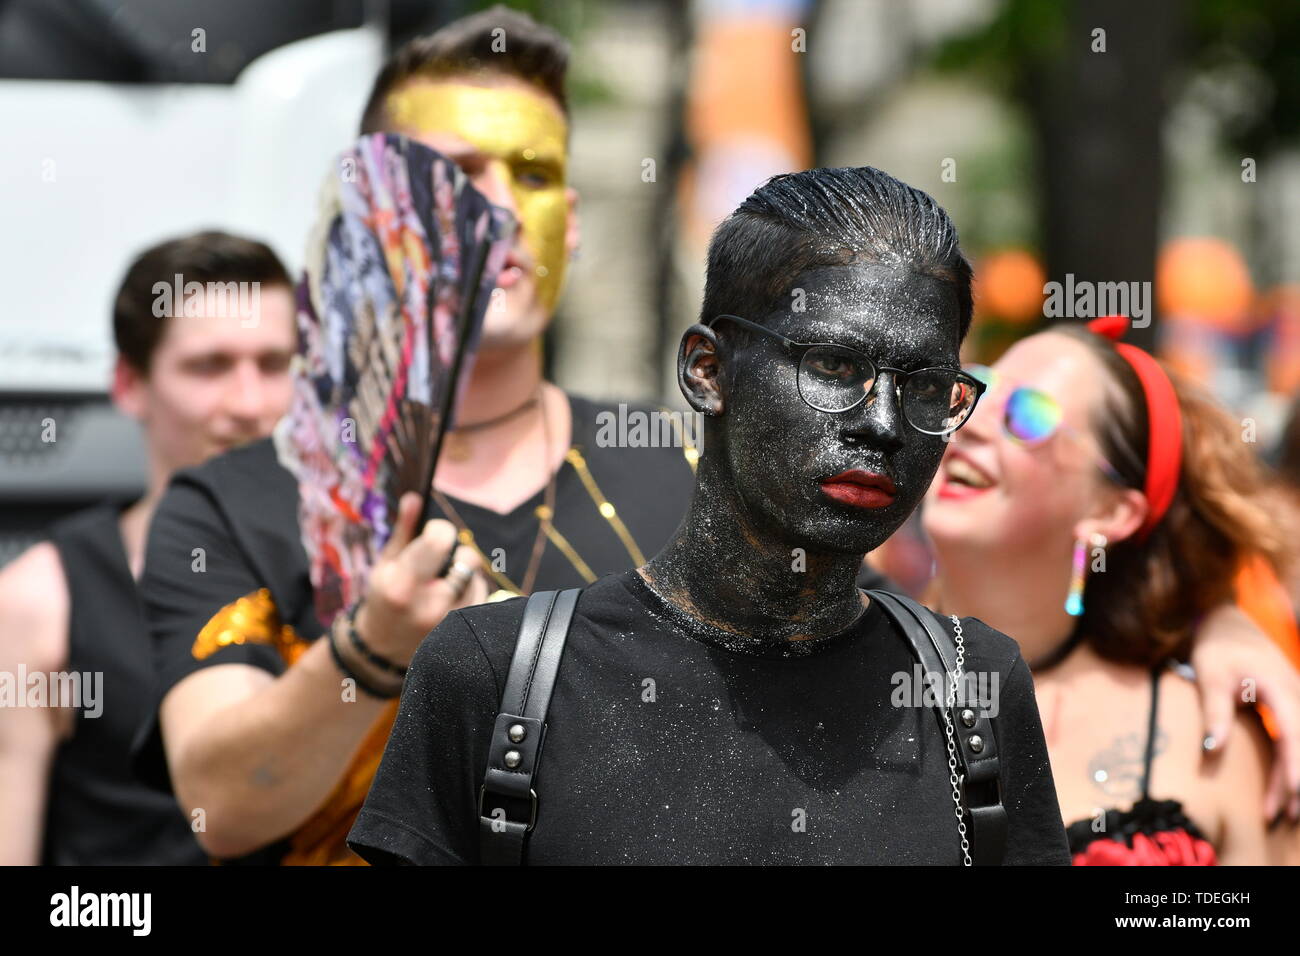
(522, 477)
(250, 728)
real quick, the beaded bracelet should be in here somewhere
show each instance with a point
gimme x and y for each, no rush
(383, 663)
(353, 676)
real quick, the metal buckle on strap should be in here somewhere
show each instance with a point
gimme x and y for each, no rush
(532, 821)
(995, 783)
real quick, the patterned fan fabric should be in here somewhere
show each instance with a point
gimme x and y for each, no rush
(385, 309)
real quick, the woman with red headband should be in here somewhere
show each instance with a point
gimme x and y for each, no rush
(1097, 511)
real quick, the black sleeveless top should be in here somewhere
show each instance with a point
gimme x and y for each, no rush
(1151, 832)
(97, 812)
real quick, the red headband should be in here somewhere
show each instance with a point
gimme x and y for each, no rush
(1164, 421)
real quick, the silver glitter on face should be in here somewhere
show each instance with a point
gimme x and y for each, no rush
(765, 553)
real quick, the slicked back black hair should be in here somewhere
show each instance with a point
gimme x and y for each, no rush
(828, 217)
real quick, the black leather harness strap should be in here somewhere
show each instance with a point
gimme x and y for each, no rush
(508, 797)
(507, 804)
(977, 745)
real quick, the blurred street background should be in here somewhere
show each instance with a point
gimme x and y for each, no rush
(1108, 141)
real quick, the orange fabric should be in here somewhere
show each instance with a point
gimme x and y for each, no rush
(321, 841)
(1261, 596)
(1280, 310)
(252, 619)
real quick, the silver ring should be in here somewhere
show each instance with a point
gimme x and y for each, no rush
(463, 575)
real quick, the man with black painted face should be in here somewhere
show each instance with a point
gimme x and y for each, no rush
(787, 484)
(737, 698)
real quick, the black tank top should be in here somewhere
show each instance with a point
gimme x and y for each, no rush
(1151, 832)
(97, 812)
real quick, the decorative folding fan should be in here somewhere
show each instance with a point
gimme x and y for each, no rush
(399, 272)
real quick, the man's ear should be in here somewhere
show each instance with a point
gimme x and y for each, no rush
(698, 367)
(128, 389)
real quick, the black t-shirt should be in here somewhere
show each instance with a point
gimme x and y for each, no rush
(663, 746)
(98, 813)
(229, 528)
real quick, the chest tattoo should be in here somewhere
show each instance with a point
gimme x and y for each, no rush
(1117, 770)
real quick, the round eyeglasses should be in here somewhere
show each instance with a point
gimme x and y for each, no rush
(836, 378)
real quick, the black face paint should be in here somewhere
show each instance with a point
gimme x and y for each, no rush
(765, 553)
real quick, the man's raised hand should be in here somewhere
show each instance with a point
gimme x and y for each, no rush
(406, 596)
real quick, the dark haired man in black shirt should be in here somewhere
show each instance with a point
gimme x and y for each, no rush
(201, 372)
(733, 700)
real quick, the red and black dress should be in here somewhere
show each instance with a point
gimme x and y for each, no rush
(1151, 833)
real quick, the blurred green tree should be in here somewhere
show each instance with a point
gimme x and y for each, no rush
(1096, 80)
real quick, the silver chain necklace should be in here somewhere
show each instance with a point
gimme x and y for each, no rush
(952, 742)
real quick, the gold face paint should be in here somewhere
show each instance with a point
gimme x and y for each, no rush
(523, 133)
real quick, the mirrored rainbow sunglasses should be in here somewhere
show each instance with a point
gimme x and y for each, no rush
(1031, 416)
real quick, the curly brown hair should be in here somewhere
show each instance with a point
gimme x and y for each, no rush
(1144, 607)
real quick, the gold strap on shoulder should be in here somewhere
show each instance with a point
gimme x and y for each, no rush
(603, 504)
(544, 517)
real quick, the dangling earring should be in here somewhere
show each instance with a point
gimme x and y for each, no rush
(1074, 599)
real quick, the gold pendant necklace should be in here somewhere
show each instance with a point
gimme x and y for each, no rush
(546, 530)
(456, 447)
(506, 588)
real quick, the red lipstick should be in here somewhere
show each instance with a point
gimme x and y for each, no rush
(860, 489)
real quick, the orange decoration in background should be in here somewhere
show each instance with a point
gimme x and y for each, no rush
(1280, 309)
(1009, 286)
(746, 115)
(1204, 280)
(748, 85)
